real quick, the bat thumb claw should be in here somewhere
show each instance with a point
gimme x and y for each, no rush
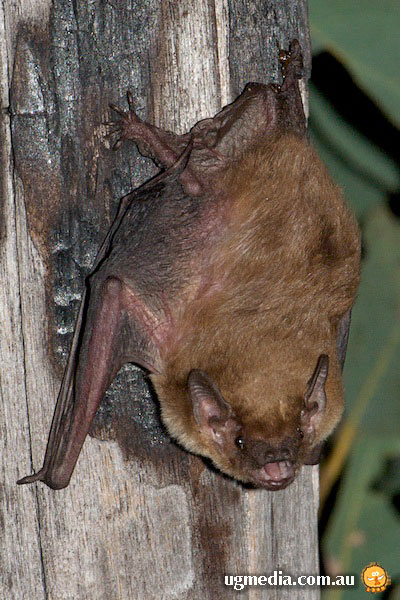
(31, 478)
(52, 480)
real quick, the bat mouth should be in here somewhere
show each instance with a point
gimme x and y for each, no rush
(275, 475)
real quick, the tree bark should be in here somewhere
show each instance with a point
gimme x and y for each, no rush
(141, 518)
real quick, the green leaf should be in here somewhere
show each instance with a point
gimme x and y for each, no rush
(363, 171)
(364, 36)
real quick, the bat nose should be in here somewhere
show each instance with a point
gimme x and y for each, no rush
(285, 454)
(264, 452)
(277, 455)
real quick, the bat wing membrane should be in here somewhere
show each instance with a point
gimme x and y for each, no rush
(343, 337)
(113, 327)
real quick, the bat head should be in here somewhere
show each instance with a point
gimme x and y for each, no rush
(265, 454)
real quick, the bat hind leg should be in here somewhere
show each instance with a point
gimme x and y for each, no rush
(162, 146)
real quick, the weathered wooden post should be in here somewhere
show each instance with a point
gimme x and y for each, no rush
(141, 518)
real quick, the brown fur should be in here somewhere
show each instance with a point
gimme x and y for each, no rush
(288, 268)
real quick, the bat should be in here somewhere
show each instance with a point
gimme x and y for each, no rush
(229, 277)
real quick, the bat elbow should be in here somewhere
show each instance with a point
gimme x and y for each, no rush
(56, 484)
(56, 479)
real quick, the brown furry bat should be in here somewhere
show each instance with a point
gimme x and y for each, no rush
(230, 278)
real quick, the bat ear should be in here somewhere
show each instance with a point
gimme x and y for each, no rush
(210, 410)
(315, 397)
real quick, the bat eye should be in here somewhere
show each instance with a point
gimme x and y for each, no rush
(300, 433)
(239, 442)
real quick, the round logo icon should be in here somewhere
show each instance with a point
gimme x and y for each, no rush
(375, 578)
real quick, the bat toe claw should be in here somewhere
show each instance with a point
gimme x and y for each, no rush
(118, 110)
(130, 101)
(118, 144)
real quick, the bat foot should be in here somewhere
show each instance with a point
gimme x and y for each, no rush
(130, 126)
(291, 64)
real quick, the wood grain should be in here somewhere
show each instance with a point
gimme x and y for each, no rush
(141, 518)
